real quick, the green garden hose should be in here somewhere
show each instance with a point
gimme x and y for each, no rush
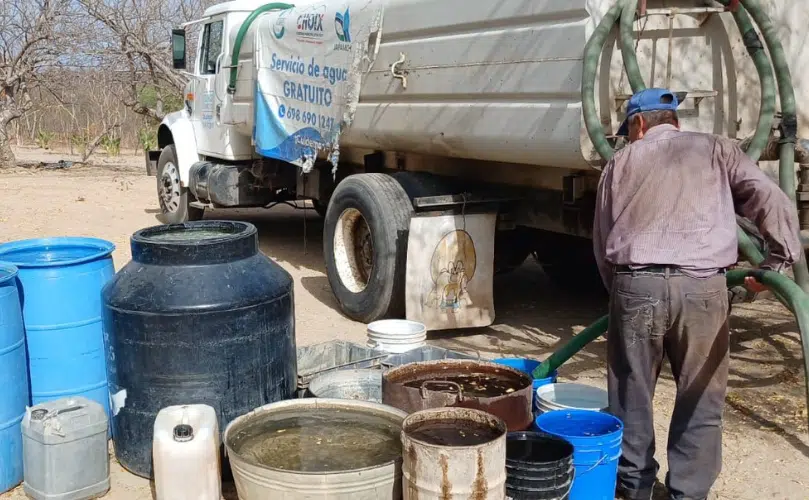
(573, 346)
(789, 117)
(237, 44)
(627, 39)
(592, 53)
(766, 111)
(748, 248)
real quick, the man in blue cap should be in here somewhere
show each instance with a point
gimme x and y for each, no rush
(664, 234)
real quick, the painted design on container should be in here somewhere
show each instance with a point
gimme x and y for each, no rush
(452, 268)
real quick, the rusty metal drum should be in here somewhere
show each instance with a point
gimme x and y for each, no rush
(453, 454)
(500, 390)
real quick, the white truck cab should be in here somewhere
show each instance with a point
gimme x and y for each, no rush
(400, 118)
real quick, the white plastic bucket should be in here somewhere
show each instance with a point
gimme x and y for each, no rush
(570, 396)
(396, 335)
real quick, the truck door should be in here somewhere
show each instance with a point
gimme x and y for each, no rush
(209, 90)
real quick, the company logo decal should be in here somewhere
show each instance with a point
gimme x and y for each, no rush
(310, 27)
(279, 27)
(342, 26)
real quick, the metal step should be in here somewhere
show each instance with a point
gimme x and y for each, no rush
(673, 11)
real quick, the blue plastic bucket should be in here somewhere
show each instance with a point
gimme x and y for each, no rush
(528, 366)
(14, 376)
(596, 438)
(61, 281)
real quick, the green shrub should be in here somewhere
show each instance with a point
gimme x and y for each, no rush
(44, 139)
(112, 145)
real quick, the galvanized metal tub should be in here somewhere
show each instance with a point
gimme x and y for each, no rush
(326, 357)
(256, 482)
(357, 385)
(514, 408)
(432, 471)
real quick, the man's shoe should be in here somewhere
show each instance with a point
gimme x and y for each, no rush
(622, 494)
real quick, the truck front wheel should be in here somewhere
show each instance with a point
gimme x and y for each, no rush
(173, 197)
(365, 245)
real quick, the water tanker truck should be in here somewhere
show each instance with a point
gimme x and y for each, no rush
(445, 141)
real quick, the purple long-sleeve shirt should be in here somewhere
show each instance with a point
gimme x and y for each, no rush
(671, 198)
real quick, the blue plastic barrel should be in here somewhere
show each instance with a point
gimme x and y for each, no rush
(14, 376)
(528, 366)
(61, 299)
(596, 439)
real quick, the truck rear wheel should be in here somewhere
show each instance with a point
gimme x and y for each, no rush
(365, 246)
(173, 197)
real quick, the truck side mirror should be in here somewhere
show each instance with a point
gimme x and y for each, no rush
(178, 48)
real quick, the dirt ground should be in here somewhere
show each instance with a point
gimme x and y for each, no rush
(766, 450)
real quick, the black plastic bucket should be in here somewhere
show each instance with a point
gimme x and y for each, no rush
(538, 466)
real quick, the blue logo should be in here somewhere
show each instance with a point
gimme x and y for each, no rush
(279, 27)
(342, 26)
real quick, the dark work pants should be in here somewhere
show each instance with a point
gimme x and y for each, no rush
(685, 319)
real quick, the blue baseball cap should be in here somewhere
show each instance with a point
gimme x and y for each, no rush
(648, 100)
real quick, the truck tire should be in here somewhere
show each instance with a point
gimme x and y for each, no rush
(365, 246)
(173, 197)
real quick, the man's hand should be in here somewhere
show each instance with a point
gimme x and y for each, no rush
(753, 285)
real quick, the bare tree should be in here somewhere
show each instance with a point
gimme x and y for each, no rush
(137, 45)
(28, 44)
(109, 117)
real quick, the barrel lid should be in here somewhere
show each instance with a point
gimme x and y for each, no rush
(198, 242)
(54, 252)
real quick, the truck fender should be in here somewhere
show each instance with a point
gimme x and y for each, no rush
(176, 128)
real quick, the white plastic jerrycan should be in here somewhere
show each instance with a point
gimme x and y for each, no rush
(185, 454)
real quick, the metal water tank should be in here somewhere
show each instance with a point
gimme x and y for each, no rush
(14, 396)
(199, 316)
(61, 280)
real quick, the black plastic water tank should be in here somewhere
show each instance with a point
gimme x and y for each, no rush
(198, 316)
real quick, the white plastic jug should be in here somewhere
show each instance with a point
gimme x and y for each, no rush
(185, 453)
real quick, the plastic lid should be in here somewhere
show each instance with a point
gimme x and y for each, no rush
(183, 433)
